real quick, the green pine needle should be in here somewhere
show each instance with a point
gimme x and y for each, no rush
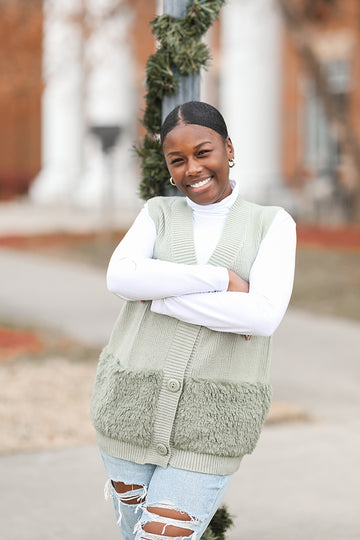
(190, 58)
(201, 14)
(155, 173)
(219, 524)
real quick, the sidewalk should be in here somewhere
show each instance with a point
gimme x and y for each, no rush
(23, 217)
(67, 297)
(301, 483)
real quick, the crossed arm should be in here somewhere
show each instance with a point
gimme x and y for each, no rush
(212, 296)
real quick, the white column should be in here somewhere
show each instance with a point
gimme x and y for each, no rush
(62, 112)
(89, 80)
(110, 100)
(250, 93)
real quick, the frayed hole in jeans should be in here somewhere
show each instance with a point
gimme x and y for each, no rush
(165, 521)
(137, 495)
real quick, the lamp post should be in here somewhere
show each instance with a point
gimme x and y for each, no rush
(108, 136)
(189, 87)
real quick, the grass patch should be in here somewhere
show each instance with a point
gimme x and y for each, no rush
(327, 281)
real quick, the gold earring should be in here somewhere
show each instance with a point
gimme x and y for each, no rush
(172, 181)
(231, 163)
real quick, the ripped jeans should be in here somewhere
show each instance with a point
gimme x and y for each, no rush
(194, 496)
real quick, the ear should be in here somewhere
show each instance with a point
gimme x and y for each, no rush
(229, 148)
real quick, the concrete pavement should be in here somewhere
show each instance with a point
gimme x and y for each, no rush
(67, 297)
(303, 480)
(300, 484)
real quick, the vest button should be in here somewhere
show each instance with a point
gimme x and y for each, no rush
(173, 385)
(161, 449)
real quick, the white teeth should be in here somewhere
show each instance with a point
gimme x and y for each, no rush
(202, 183)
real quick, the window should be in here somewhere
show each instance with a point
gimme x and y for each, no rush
(322, 152)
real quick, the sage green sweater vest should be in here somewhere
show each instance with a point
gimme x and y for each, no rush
(169, 392)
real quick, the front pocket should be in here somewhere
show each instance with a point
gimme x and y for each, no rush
(220, 419)
(123, 402)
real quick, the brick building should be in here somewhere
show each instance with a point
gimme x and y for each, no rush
(290, 149)
(20, 94)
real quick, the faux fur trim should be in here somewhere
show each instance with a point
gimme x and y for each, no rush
(123, 402)
(215, 418)
(219, 418)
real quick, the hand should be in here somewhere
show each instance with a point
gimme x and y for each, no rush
(236, 283)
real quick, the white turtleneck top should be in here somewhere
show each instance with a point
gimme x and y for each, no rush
(198, 294)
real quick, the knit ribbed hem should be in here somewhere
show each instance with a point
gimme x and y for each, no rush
(121, 449)
(179, 459)
(204, 463)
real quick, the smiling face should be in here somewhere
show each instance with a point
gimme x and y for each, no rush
(198, 161)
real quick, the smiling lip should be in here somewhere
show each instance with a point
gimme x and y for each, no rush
(201, 183)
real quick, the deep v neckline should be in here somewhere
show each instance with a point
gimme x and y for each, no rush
(231, 238)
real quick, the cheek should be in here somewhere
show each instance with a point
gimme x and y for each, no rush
(171, 170)
(174, 171)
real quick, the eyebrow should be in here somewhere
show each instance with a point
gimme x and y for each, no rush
(195, 148)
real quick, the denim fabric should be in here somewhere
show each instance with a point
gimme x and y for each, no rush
(196, 494)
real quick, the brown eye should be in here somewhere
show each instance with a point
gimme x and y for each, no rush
(175, 161)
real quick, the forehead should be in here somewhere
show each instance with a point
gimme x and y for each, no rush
(190, 135)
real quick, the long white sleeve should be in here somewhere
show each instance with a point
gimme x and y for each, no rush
(133, 274)
(258, 312)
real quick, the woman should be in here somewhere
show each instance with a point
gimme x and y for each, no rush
(182, 388)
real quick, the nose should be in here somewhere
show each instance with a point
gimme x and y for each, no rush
(193, 168)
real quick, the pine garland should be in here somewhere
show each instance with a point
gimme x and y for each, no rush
(219, 524)
(180, 53)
